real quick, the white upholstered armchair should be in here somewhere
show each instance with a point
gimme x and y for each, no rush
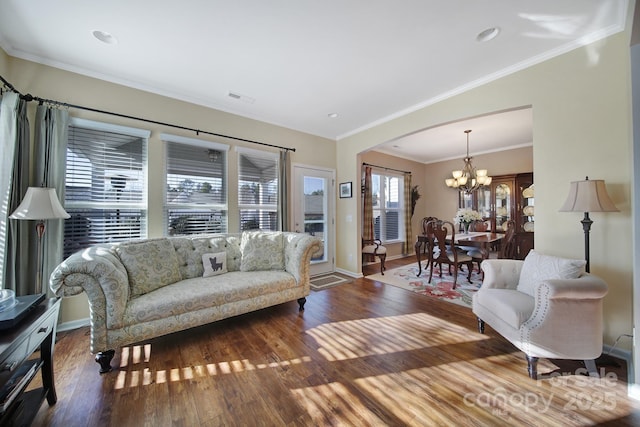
(546, 306)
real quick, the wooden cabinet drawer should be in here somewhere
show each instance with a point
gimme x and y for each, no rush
(14, 359)
(41, 330)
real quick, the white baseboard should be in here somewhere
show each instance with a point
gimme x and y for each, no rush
(349, 273)
(75, 324)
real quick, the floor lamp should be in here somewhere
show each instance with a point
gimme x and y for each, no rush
(40, 203)
(588, 196)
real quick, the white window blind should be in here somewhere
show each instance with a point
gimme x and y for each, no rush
(258, 190)
(388, 207)
(196, 182)
(105, 184)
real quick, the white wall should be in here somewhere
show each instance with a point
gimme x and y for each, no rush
(581, 126)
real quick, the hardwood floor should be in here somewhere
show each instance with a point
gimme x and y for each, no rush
(361, 354)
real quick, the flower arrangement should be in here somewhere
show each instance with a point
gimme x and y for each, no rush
(466, 216)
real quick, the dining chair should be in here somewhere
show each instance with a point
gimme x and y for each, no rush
(507, 246)
(428, 246)
(425, 221)
(479, 225)
(372, 248)
(508, 243)
(438, 232)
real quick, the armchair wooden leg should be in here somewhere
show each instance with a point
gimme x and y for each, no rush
(532, 367)
(382, 257)
(301, 302)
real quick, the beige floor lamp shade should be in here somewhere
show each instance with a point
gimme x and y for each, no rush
(588, 196)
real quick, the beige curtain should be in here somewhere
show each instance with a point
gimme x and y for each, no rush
(408, 233)
(367, 206)
(283, 189)
(50, 151)
(16, 237)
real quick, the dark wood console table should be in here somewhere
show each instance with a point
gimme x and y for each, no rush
(19, 365)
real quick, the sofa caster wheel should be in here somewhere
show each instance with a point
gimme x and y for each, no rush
(104, 359)
(301, 302)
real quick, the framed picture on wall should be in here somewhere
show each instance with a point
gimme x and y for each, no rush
(345, 190)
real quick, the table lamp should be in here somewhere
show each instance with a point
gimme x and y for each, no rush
(588, 196)
(39, 203)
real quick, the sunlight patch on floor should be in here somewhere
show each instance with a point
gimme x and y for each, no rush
(384, 335)
(333, 404)
(143, 377)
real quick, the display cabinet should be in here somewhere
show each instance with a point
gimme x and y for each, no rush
(525, 214)
(507, 197)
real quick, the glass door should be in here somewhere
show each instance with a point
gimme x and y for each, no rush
(503, 205)
(313, 195)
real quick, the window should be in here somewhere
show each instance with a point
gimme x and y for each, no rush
(196, 183)
(105, 184)
(388, 207)
(257, 190)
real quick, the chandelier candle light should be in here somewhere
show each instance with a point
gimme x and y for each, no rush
(469, 178)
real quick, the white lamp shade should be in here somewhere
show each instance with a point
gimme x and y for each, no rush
(40, 203)
(588, 196)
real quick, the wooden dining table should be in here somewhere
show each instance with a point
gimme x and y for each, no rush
(480, 239)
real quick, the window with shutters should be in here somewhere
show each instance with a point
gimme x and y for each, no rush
(105, 184)
(388, 206)
(196, 183)
(257, 190)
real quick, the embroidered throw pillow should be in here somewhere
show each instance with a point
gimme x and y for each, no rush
(262, 250)
(150, 264)
(538, 267)
(214, 264)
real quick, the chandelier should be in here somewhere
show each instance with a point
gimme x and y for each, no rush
(469, 179)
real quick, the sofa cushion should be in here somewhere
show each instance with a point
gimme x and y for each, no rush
(191, 249)
(538, 267)
(200, 293)
(513, 307)
(234, 254)
(150, 264)
(262, 251)
(214, 264)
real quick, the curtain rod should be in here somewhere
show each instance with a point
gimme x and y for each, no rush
(386, 168)
(28, 97)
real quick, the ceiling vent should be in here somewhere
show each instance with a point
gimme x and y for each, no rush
(240, 97)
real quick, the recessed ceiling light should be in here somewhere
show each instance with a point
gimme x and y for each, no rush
(488, 34)
(332, 115)
(104, 37)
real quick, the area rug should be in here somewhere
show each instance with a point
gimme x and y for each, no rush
(442, 288)
(325, 281)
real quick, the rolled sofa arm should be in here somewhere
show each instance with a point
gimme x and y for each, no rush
(501, 273)
(99, 273)
(299, 248)
(586, 286)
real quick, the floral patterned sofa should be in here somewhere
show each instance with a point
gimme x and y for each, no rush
(146, 288)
